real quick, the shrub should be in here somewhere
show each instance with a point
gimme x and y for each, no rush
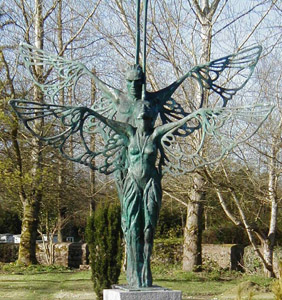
(103, 235)
(171, 223)
(253, 264)
(277, 285)
(9, 222)
(8, 252)
(13, 268)
(226, 234)
(167, 251)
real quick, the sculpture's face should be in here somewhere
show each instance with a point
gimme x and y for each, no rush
(145, 115)
(134, 88)
(134, 78)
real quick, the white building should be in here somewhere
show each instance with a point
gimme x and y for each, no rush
(17, 238)
(10, 238)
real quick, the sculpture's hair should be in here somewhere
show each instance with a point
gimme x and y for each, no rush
(134, 72)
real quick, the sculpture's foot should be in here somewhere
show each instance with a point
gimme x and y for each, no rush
(147, 283)
(139, 282)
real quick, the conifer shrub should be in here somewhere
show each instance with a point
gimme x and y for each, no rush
(104, 238)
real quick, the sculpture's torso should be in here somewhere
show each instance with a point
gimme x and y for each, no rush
(142, 155)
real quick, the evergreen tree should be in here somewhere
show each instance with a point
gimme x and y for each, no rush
(103, 234)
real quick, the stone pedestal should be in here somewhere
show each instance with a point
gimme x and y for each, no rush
(157, 293)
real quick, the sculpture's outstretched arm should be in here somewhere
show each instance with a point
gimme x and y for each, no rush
(163, 129)
(109, 91)
(121, 128)
(165, 94)
(203, 116)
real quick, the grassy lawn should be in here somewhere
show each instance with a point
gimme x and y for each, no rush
(47, 284)
(65, 285)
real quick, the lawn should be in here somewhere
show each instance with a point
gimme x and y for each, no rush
(46, 284)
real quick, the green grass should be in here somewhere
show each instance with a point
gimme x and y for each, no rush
(13, 268)
(210, 284)
(47, 286)
(48, 283)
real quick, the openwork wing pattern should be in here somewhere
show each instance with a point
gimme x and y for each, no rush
(172, 111)
(67, 128)
(73, 80)
(82, 138)
(60, 73)
(67, 77)
(227, 75)
(223, 77)
(221, 129)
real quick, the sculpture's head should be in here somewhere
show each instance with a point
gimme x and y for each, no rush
(135, 79)
(145, 115)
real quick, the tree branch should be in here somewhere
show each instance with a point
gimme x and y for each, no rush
(257, 25)
(51, 9)
(175, 198)
(238, 18)
(81, 28)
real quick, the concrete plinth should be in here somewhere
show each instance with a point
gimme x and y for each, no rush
(146, 294)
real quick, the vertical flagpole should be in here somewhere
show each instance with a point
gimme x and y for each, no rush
(137, 32)
(144, 48)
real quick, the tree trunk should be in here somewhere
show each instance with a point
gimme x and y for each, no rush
(60, 214)
(31, 207)
(192, 255)
(192, 249)
(92, 203)
(268, 245)
(27, 249)
(61, 162)
(31, 204)
(268, 256)
(192, 258)
(60, 218)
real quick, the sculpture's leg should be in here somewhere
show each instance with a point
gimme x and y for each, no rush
(152, 203)
(147, 279)
(134, 260)
(132, 225)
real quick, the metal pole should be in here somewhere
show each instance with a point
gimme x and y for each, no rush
(137, 32)
(144, 48)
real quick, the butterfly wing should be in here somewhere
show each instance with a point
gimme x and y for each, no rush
(68, 78)
(224, 76)
(67, 128)
(219, 131)
(172, 111)
(227, 75)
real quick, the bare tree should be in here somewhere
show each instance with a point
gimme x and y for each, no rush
(31, 24)
(260, 161)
